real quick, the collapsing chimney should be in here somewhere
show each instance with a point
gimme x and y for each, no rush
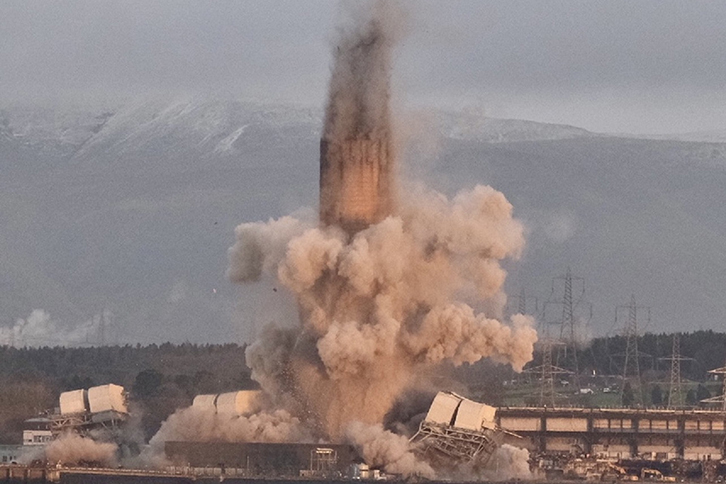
(356, 151)
(354, 182)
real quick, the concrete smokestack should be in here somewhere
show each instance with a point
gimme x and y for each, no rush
(355, 182)
(356, 151)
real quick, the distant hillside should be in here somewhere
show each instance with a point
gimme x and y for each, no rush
(471, 126)
(128, 211)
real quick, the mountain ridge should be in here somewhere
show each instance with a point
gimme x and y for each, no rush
(131, 209)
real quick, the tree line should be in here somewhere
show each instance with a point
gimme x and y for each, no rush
(158, 378)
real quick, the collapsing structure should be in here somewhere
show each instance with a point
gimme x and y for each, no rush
(356, 147)
(84, 410)
(458, 430)
(243, 402)
(355, 182)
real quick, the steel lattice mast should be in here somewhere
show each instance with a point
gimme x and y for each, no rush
(568, 325)
(675, 392)
(721, 398)
(631, 365)
(522, 303)
(546, 372)
(547, 390)
(568, 338)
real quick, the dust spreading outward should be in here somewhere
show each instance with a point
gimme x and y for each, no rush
(386, 281)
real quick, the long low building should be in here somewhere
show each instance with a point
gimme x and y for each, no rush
(264, 458)
(622, 433)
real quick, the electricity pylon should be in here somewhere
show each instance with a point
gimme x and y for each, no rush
(572, 299)
(720, 398)
(631, 365)
(522, 301)
(547, 371)
(675, 391)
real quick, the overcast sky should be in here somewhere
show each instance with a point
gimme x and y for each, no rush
(612, 65)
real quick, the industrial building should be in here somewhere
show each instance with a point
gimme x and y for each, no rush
(265, 459)
(36, 431)
(102, 406)
(9, 453)
(618, 433)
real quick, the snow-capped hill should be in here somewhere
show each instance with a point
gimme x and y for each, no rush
(144, 131)
(203, 128)
(472, 126)
(131, 207)
(149, 133)
(35, 126)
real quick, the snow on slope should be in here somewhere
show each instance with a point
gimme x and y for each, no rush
(206, 126)
(131, 208)
(473, 126)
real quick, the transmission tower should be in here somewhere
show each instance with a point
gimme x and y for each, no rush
(522, 306)
(567, 328)
(547, 390)
(720, 399)
(522, 301)
(572, 299)
(547, 372)
(675, 392)
(631, 365)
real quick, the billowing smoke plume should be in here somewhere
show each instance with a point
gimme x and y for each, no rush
(387, 287)
(508, 462)
(382, 448)
(195, 424)
(381, 305)
(72, 449)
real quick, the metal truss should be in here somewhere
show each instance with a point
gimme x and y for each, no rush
(457, 444)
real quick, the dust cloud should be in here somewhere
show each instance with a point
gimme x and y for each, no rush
(389, 282)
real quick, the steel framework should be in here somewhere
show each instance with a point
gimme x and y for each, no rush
(675, 391)
(547, 372)
(455, 444)
(84, 422)
(631, 364)
(572, 299)
(720, 398)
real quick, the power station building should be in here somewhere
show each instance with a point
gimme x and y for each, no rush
(618, 433)
(84, 410)
(265, 459)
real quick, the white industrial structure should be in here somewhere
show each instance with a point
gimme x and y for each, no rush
(82, 410)
(243, 402)
(458, 430)
(74, 402)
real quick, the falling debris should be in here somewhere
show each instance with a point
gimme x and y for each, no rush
(389, 283)
(458, 431)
